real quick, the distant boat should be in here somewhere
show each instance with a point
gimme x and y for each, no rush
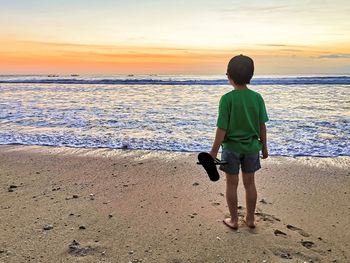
(74, 75)
(130, 75)
(52, 75)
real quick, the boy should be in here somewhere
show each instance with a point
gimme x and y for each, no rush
(241, 131)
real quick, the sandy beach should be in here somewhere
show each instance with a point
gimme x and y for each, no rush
(152, 206)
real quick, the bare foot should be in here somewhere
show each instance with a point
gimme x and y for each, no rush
(249, 223)
(230, 224)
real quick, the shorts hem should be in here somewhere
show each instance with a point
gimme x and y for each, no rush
(252, 171)
(228, 170)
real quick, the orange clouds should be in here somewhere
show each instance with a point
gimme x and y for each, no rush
(40, 57)
(92, 58)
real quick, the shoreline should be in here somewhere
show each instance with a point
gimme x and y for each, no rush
(159, 206)
(164, 150)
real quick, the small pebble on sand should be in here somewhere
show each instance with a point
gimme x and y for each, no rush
(48, 227)
(263, 201)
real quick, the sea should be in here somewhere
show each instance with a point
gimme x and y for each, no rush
(309, 115)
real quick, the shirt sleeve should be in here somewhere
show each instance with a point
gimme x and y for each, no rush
(262, 112)
(223, 118)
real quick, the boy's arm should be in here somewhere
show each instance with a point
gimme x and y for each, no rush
(265, 153)
(219, 137)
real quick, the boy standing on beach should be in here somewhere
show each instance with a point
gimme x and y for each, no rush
(241, 131)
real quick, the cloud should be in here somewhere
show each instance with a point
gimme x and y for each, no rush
(282, 47)
(291, 50)
(272, 45)
(264, 8)
(335, 56)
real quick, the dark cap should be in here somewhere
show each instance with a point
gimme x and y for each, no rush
(240, 69)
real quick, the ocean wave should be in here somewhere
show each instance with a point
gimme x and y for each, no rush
(329, 80)
(305, 120)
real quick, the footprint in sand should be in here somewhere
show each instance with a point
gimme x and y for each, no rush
(299, 230)
(279, 233)
(308, 244)
(267, 217)
(76, 250)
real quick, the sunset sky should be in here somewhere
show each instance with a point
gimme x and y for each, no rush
(182, 36)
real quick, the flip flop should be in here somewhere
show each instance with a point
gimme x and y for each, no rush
(209, 164)
(217, 162)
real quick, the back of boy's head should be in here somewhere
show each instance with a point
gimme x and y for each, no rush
(240, 69)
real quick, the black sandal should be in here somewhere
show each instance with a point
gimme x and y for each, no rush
(209, 164)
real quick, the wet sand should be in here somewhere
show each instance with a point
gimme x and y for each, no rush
(152, 206)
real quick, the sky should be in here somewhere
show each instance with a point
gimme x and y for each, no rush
(173, 37)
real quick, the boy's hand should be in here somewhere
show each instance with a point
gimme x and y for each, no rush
(219, 137)
(265, 153)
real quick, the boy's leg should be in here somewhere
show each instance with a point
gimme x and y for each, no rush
(250, 196)
(231, 198)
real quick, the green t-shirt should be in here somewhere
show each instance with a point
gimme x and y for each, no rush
(240, 113)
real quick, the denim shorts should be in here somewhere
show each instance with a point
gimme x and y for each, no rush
(250, 162)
